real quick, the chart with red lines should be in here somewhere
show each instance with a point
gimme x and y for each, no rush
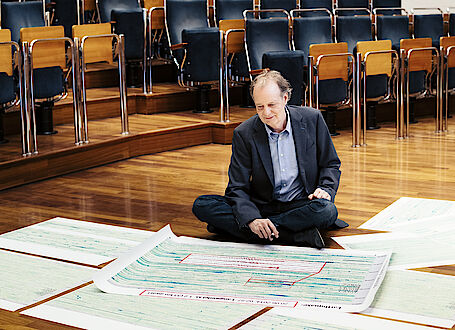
(187, 268)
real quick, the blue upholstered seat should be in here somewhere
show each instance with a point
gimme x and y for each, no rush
(376, 4)
(7, 90)
(352, 29)
(332, 91)
(393, 28)
(352, 4)
(65, 13)
(265, 35)
(290, 64)
(431, 26)
(310, 4)
(16, 15)
(48, 82)
(287, 5)
(130, 23)
(311, 30)
(231, 9)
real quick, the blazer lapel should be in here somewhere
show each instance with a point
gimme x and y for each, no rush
(261, 141)
(300, 141)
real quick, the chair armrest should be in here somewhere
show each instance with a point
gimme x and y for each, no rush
(179, 46)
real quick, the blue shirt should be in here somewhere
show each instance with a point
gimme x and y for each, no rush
(287, 184)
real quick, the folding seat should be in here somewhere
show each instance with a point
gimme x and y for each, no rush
(419, 60)
(157, 44)
(196, 47)
(332, 72)
(447, 76)
(307, 30)
(234, 34)
(267, 47)
(129, 19)
(392, 7)
(379, 69)
(45, 62)
(351, 5)
(16, 15)
(313, 4)
(287, 5)
(8, 91)
(352, 29)
(67, 13)
(392, 27)
(428, 25)
(451, 21)
(94, 43)
(231, 9)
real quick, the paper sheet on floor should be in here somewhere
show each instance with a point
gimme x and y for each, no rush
(408, 209)
(73, 240)
(410, 250)
(27, 279)
(277, 276)
(415, 296)
(90, 308)
(285, 318)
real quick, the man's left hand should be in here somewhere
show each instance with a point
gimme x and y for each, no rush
(319, 193)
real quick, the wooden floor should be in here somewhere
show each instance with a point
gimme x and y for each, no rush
(150, 191)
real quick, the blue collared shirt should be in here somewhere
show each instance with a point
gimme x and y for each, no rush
(287, 184)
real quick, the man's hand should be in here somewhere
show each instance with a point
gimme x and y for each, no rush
(319, 193)
(264, 228)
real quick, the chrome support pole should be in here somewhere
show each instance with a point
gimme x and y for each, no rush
(29, 85)
(363, 127)
(220, 79)
(403, 68)
(144, 53)
(225, 113)
(310, 80)
(76, 97)
(84, 118)
(25, 125)
(123, 91)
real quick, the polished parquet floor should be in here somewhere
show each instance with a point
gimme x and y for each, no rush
(150, 191)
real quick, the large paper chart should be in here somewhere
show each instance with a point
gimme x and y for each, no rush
(416, 297)
(79, 241)
(410, 250)
(90, 308)
(27, 279)
(188, 268)
(408, 209)
(287, 318)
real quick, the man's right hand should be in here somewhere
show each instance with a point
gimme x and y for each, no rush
(264, 228)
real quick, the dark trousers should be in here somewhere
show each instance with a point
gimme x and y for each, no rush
(295, 216)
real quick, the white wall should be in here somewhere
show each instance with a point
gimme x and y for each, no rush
(443, 4)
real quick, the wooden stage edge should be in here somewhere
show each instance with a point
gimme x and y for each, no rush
(71, 159)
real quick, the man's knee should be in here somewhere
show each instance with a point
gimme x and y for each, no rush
(204, 206)
(325, 210)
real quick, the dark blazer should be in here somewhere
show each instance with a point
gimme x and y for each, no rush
(251, 170)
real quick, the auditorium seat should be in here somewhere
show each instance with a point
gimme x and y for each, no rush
(332, 69)
(416, 73)
(16, 15)
(352, 29)
(391, 6)
(67, 13)
(378, 77)
(312, 4)
(450, 13)
(267, 46)
(231, 9)
(287, 5)
(392, 27)
(95, 46)
(234, 32)
(156, 29)
(448, 73)
(129, 19)
(428, 25)
(47, 60)
(307, 30)
(8, 79)
(360, 5)
(196, 47)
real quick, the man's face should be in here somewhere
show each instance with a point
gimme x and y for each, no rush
(270, 105)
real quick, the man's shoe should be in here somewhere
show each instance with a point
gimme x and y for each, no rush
(212, 229)
(309, 237)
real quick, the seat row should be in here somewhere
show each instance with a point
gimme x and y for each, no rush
(37, 73)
